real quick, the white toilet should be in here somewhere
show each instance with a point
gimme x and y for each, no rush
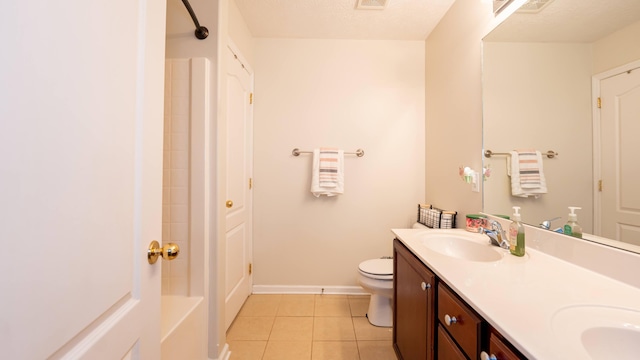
(376, 277)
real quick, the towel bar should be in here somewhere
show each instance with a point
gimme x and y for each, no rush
(297, 152)
(550, 154)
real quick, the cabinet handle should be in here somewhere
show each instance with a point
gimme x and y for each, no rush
(450, 319)
(485, 356)
(425, 286)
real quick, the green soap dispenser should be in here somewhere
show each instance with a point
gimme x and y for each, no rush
(572, 227)
(516, 233)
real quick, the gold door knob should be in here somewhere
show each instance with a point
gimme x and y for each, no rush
(168, 252)
(229, 204)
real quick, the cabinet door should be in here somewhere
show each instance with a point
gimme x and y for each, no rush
(414, 313)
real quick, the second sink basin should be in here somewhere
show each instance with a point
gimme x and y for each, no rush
(461, 245)
(601, 332)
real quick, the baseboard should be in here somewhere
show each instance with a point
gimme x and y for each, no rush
(308, 289)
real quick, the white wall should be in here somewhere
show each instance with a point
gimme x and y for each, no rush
(523, 111)
(616, 49)
(349, 94)
(454, 105)
(239, 33)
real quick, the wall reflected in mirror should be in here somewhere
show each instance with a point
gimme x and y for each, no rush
(538, 68)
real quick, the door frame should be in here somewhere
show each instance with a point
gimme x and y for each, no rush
(597, 143)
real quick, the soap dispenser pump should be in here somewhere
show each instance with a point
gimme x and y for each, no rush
(516, 233)
(572, 227)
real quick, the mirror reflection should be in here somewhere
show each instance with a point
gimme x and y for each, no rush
(544, 69)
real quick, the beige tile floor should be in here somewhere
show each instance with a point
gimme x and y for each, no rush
(307, 327)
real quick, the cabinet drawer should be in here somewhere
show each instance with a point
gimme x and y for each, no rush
(447, 349)
(500, 350)
(463, 324)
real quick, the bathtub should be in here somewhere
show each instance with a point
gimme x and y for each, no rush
(183, 328)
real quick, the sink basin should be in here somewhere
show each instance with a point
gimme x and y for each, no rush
(599, 332)
(461, 245)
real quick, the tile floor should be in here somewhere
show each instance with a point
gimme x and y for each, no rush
(307, 327)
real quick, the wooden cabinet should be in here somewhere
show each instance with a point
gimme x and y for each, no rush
(413, 312)
(430, 321)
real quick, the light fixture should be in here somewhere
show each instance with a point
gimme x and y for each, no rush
(533, 6)
(371, 4)
(499, 5)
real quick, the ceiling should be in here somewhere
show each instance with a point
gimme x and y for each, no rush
(569, 21)
(339, 19)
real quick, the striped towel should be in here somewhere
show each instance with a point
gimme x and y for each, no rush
(529, 169)
(328, 168)
(327, 172)
(528, 181)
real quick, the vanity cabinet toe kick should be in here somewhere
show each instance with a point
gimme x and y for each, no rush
(430, 321)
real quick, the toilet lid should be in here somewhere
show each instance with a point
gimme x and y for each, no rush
(377, 266)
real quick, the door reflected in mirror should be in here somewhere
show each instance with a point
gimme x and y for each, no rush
(542, 75)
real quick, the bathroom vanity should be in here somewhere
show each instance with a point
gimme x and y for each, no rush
(427, 311)
(458, 297)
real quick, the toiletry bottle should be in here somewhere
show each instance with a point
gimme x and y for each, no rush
(572, 227)
(516, 234)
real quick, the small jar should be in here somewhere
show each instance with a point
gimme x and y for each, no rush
(475, 222)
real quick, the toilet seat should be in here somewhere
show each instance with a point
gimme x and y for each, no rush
(381, 269)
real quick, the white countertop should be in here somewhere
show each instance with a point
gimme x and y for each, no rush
(520, 296)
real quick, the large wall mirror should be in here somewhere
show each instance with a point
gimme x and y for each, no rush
(544, 68)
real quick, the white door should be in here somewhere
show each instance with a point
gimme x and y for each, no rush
(81, 94)
(239, 116)
(620, 131)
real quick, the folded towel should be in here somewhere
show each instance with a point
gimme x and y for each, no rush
(448, 220)
(327, 172)
(328, 167)
(433, 218)
(527, 176)
(529, 168)
(439, 219)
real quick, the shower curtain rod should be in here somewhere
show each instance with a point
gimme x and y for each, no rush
(201, 32)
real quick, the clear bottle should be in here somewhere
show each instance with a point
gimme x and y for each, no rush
(572, 227)
(516, 234)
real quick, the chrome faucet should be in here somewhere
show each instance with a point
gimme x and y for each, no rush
(547, 223)
(496, 235)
